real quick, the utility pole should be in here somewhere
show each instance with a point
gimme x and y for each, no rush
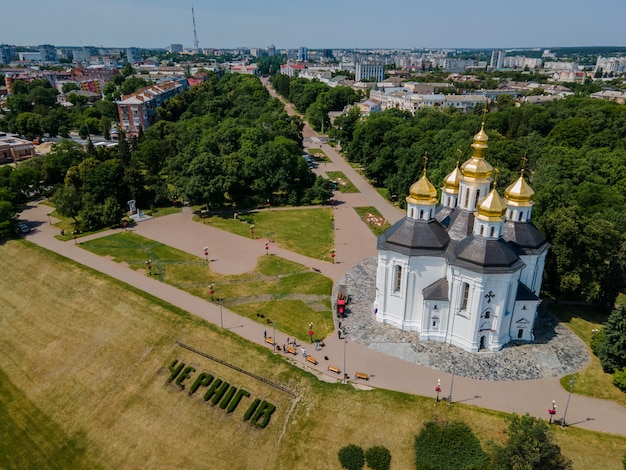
(195, 35)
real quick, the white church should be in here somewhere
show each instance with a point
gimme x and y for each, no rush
(467, 272)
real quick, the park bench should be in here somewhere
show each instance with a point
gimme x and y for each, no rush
(270, 340)
(334, 369)
(291, 350)
(311, 359)
(362, 375)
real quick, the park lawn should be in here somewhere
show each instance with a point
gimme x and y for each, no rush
(376, 230)
(343, 183)
(304, 231)
(591, 381)
(243, 293)
(87, 388)
(319, 154)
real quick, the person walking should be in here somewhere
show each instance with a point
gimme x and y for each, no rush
(304, 353)
(317, 344)
(265, 334)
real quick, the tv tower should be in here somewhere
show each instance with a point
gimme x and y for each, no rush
(195, 35)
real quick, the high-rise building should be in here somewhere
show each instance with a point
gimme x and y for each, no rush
(497, 60)
(133, 55)
(271, 50)
(176, 48)
(48, 53)
(303, 54)
(7, 53)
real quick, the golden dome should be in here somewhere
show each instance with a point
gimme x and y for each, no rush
(491, 208)
(477, 166)
(422, 192)
(519, 192)
(453, 180)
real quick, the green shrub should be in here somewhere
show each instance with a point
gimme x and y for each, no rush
(448, 446)
(619, 379)
(351, 457)
(597, 340)
(378, 458)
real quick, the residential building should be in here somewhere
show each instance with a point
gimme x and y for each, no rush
(176, 48)
(365, 71)
(271, 50)
(139, 110)
(14, 149)
(291, 69)
(468, 271)
(497, 60)
(48, 53)
(303, 54)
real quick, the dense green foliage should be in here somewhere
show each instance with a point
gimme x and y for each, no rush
(576, 150)
(314, 98)
(351, 457)
(529, 446)
(378, 458)
(609, 343)
(448, 446)
(619, 379)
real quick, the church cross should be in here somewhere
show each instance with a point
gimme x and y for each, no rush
(489, 296)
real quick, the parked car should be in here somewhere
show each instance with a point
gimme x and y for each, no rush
(23, 228)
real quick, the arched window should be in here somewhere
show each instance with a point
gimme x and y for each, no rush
(412, 213)
(421, 214)
(521, 215)
(482, 229)
(487, 314)
(465, 290)
(493, 231)
(467, 197)
(477, 195)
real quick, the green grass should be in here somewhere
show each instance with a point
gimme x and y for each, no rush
(305, 231)
(87, 388)
(301, 296)
(344, 184)
(31, 439)
(363, 211)
(592, 381)
(318, 154)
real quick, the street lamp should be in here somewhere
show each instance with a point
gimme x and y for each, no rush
(49, 221)
(452, 383)
(438, 389)
(345, 345)
(206, 253)
(332, 254)
(252, 231)
(571, 387)
(552, 411)
(149, 266)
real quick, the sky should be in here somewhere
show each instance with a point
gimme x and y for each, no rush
(316, 24)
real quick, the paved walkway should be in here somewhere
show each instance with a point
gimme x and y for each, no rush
(234, 254)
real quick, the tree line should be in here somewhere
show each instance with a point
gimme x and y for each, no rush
(225, 143)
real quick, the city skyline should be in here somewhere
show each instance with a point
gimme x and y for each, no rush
(321, 25)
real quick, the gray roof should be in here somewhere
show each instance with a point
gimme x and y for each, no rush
(524, 293)
(459, 223)
(438, 290)
(415, 237)
(485, 255)
(524, 238)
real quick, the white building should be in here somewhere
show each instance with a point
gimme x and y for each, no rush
(369, 70)
(468, 272)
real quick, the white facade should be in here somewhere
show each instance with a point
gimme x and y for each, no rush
(468, 272)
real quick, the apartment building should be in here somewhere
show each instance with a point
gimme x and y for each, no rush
(139, 110)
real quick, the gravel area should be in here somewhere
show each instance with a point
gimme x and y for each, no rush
(556, 350)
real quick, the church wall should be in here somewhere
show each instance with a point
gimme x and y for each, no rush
(391, 292)
(523, 321)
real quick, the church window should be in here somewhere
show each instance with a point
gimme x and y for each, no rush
(482, 229)
(398, 279)
(412, 213)
(477, 195)
(520, 334)
(434, 323)
(467, 197)
(421, 214)
(487, 314)
(521, 216)
(493, 231)
(465, 296)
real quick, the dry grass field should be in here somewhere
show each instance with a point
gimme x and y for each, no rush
(84, 384)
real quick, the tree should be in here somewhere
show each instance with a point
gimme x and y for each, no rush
(448, 446)
(29, 125)
(610, 346)
(378, 458)
(68, 202)
(69, 86)
(351, 457)
(529, 446)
